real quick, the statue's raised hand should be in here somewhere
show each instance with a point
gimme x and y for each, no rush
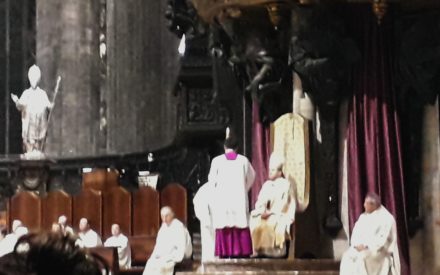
(14, 98)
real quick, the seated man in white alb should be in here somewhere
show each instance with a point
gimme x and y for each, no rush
(86, 236)
(65, 228)
(120, 241)
(274, 213)
(203, 211)
(373, 245)
(8, 243)
(173, 244)
(56, 228)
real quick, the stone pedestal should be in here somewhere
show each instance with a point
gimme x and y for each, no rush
(18, 173)
(32, 175)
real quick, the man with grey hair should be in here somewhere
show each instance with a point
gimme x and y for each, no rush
(65, 228)
(373, 245)
(173, 244)
(87, 237)
(8, 243)
(120, 241)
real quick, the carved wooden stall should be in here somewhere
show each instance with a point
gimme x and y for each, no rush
(146, 217)
(145, 223)
(137, 213)
(117, 209)
(100, 179)
(55, 204)
(174, 196)
(26, 207)
(88, 204)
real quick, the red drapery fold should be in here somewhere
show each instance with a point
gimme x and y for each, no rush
(260, 152)
(374, 149)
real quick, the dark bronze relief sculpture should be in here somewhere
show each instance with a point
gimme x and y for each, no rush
(264, 42)
(418, 79)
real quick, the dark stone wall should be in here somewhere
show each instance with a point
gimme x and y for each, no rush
(116, 103)
(17, 48)
(3, 76)
(67, 45)
(143, 64)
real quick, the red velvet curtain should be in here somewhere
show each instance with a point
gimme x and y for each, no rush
(374, 139)
(260, 152)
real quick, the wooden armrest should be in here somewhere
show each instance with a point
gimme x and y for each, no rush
(141, 249)
(109, 256)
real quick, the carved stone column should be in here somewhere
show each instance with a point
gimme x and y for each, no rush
(142, 67)
(68, 45)
(425, 245)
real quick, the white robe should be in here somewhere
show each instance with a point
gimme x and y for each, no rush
(232, 180)
(89, 239)
(124, 250)
(34, 105)
(173, 244)
(67, 230)
(377, 231)
(7, 245)
(203, 211)
(269, 235)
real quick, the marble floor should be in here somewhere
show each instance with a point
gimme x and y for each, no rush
(255, 267)
(267, 266)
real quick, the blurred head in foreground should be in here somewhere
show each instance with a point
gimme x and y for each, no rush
(48, 253)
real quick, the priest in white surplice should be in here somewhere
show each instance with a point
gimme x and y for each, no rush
(65, 228)
(173, 244)
(203, 211)
(373, 245)
(274, 212)
(120, 241)
(87, 237)
(232, 175)
(7, 245)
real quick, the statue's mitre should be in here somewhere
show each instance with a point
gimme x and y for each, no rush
(208, 10)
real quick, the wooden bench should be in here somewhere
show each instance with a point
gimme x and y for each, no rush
(141, 249)
(186, 265)
(108, 257)
(137, 213)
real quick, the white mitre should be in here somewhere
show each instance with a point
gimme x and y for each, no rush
(276, 161)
